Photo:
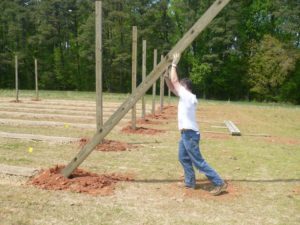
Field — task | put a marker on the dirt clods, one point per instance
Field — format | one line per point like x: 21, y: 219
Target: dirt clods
x: 80, y: 181
x: 141, y: 130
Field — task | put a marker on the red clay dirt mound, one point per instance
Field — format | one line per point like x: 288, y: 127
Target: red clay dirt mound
x: 80, y: 181
x: 141, y: 130
x: 168, y: 111
x: 108, y: 145
x: 147, y: 121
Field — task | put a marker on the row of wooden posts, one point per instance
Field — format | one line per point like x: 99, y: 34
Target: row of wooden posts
x: 98, y: 56
x: 134, y: 74
x: 99, y: 103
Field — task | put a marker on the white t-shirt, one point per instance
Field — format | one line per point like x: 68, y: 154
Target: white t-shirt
x: 187, y: 108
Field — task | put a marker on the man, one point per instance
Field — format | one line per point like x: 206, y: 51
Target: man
x: 189, y: 151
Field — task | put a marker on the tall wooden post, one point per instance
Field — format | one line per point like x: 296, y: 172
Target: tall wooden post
x: 162, y: 88
x: 181, y: 45
x: 154, y: 84
x: 98, y: 55
x: 134, y: 64
x: 16, y: 78
x: 36, y: 80
x: 144, y: 76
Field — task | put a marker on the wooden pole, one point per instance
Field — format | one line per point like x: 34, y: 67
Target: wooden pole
x: 154, y: 84
x: 98, y: 55
x: 134, y: 64
x: 162, y: 88
x: 16, y: 78
x: 181, y: 45
x: 36, y: 80
x: 144, y: 76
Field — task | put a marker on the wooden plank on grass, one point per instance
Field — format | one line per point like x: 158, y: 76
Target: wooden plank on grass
x: 16, y: 122
x: 182, y: 44
x: 35, y: 137
x: 18, y: 171
x: 232, y: 128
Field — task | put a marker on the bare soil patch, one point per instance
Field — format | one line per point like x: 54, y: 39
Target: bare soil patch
x: 281, y: 140
x: 141, y: 130
x: 148, y: 122
x: 215, y: 136
x: 296, y: 190
x: 80, y: 181
x: 168, y: 111
x: 109, y: 145
x: 15, y: 101
x: 202, y: 191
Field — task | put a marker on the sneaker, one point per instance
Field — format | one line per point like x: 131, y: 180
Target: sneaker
x: 217, y: 190
x: 183, y: 185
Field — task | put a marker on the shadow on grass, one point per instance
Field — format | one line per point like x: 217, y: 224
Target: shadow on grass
x: 232, y: 180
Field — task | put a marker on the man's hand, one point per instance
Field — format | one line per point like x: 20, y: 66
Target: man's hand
x: 176, y: 58
x: 166, y: 73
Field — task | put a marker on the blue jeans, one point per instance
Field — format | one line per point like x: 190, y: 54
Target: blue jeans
x: 190, y: 155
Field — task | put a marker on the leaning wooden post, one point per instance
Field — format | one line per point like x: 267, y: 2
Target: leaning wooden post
x: 17, y: 78
x: 154, y: 85
x: 134, y: 64
x: 162, y: 88
x: 98, y: 55
x: 36, y: 80
x: 181, y: 45
x: 144, y: 76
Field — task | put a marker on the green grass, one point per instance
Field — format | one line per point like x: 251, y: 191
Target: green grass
x: 263, y: 171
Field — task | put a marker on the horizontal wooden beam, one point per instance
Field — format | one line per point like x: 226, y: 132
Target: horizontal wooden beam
x: 182, y: 44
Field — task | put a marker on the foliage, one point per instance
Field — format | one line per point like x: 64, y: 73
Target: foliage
x: 223, y: 61
x: 269, y: 67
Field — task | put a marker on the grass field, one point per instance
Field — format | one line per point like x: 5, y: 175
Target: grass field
x: 262, y: 168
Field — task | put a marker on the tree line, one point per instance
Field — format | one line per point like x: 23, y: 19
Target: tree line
x: 250, y: 51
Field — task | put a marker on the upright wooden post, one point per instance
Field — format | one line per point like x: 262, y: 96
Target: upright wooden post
x: 181, y: 45
x: 169, y: 96
x: 134, y: 64
x: 154, y: 84
x: 144, y: 76
x: 162, y: 88
x: 36, y: 80
x: 98, y: 55
x: 16, y: 78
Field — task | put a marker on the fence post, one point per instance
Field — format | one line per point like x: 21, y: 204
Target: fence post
x: 36, y: 80
x: 162, y: 88
x: 134, y: 64
x: 98, y: 55
x: 16, y: 78
x: 154, y: 84
x: 144, y: 76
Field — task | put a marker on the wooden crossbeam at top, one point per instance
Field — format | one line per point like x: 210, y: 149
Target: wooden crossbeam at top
x: 181, y: 45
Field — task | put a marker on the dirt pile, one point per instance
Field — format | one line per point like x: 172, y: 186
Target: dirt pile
x: 108, y: 145
x: 80, y: 181
x: 141, y: 130
x: 167, y: 113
